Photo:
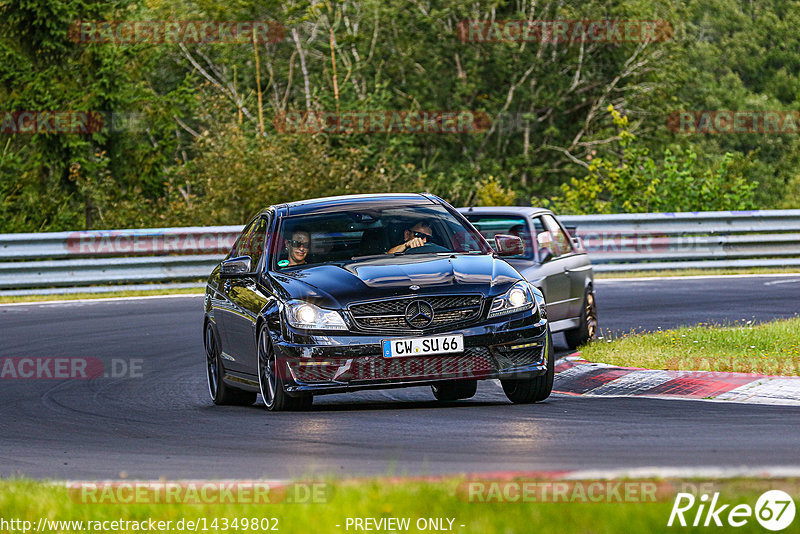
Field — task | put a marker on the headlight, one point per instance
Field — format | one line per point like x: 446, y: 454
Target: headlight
x: 518, y: 298
x: 305, y: 315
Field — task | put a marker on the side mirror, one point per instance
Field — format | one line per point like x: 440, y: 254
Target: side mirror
x: 545, y: 255
x: 238, y: 267
x: 508, y: 245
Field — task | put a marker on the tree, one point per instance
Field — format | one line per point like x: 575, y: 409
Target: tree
x: 637, y: 183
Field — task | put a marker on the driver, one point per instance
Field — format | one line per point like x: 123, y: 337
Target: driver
x: 297, y: 247
x: 413, y: 237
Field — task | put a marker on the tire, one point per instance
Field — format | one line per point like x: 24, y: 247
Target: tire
x: 528, y: 390
x: 587, y: 331
x: 221, y: 393
x: 454, y: 390
x: 270, y: 379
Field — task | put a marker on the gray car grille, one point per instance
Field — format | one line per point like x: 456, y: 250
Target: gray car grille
x: 388, y: 315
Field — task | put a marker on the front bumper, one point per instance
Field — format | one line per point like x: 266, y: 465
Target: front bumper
x: 340, y: 363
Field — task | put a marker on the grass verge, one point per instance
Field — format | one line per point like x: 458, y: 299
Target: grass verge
x: 769, y: 348
x: 107, y: 295
x: 26, y: 500
x: 700, y: 272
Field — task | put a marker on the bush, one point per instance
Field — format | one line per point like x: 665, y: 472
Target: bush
x: 638, y: 183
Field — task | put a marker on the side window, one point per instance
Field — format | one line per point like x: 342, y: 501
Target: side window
x: 560, y: 239
x: 538, y: 225
x: 542, y: 237
x: 255, y: 242
x: 243, y: 241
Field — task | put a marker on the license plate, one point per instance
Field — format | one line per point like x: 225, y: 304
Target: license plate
x: 422, y: 346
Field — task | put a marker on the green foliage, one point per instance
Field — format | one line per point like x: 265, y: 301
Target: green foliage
x: 637, y: 183
x: 491, y: 193
x: 79, y: 180
x: 200, y: 155
x: 237, y: 172
x: 791, y: 197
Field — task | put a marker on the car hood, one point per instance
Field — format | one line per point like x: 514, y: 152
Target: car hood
x: 337, y: 285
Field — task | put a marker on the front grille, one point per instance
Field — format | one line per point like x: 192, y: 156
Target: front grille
x: 390, y: 314
x: 468, y: 365
x: 475, y: 362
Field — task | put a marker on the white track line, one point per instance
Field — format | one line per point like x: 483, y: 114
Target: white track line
x: 693, y: 277
x: 699, y: 472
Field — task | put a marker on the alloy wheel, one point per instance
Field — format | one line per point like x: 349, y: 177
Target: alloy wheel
x: 212, y: 362
x: 591, y: 316
x: 267, y: 365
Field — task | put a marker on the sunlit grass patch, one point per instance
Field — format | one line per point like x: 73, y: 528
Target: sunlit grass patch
x: 380, y: 498
x: 743, y: 347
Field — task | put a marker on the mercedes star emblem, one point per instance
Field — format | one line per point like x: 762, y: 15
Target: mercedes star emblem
x: 419, y: 314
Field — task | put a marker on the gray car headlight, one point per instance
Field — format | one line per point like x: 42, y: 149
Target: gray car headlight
x: 301, y: 314
x: 518, y: 298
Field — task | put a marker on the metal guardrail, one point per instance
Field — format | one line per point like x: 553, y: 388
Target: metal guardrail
x: 100, y: 243
x: 622, y: 242
x: 66, y: 259
x: 701, y: 240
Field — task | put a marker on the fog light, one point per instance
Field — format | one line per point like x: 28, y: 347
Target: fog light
x: 524, y: 346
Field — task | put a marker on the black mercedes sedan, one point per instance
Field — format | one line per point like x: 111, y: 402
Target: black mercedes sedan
x: 359, y: 292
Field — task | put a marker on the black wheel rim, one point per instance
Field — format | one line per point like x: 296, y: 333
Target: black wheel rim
x: 267, y: 379
x: 212, y: 363
x: 591, y: 316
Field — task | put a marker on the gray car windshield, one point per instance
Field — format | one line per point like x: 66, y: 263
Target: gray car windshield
x: 349, y: 235
x: 491, y: 225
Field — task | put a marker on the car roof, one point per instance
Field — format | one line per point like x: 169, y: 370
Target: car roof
x: 525, y: 211
x: 329, y: 204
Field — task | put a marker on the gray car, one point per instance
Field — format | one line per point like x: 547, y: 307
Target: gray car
x: 552, y: 260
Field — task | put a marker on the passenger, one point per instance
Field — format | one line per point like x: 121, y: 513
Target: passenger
x: 297, y: 247
x: 416, y: 236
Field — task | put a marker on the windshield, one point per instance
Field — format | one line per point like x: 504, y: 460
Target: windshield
x: 491, y: 225
x: 348, y: 235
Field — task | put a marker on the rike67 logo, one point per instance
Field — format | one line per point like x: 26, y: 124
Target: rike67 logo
x: 774, y: 510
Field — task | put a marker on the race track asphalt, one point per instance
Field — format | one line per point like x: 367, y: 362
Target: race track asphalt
x: 162, y: 423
